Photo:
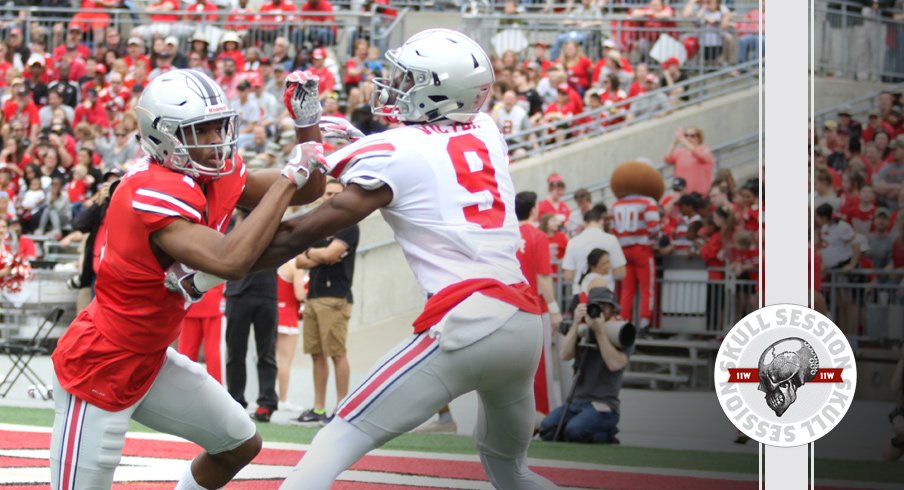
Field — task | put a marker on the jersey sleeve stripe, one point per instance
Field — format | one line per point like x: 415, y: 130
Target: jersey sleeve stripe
x: 380, y: 147
x: 174, y: 201
x: 150, y: 208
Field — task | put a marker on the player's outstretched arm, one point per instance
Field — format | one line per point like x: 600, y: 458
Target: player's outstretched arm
x: 231, y: 256
x: 345, y: 209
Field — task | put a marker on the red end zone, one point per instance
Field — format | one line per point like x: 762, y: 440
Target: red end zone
x: 23, y: 465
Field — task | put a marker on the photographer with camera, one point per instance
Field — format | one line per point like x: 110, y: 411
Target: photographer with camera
x: 600, y: 343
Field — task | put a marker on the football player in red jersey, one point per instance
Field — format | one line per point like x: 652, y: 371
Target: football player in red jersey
x: 113, y: 363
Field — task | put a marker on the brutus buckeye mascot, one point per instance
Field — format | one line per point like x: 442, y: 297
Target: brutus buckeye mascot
x: 638, y: 187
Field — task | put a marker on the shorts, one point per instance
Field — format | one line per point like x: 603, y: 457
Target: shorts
x: 326, y: 326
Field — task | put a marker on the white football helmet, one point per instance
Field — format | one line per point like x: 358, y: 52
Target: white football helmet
x: 169, y: 109
x: 437, y: 73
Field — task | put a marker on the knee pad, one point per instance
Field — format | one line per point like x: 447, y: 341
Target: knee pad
x: 109, y: 449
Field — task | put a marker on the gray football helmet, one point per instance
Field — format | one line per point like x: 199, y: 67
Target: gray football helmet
x: 169, y: 109
x: 437, y: 73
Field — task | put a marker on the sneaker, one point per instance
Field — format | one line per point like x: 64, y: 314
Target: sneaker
x: 438, y: 427
x: 262, y: 414
x: 311, y: 417
x: 290, y: 407
x: 326, y: 420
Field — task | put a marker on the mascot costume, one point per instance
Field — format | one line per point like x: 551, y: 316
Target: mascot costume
x: 636, y: 222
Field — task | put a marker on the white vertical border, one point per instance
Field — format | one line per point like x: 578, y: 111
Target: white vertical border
x: 786, y: 254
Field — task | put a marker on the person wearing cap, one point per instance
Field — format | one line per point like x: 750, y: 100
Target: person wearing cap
x: 73, y: 42
x: 136, y: 54
x: 593, y: 412
x: 21, y: 107
x: 553, y: 204
x: 171, y: 47
x: 672, y: 77
x: 562, y: 108
x: 539, y: 57
x: 250, y: 113
x: 36, y: 78
x: 319, y: 68
x: 65, y: 85
x: 881, y: 240
x: 889, y: 180
x: 269, y: 104
x: 873, y: 126
x: 650, y: 101
x: 611, y: 53
x: 200, y: 12
x: 231, y: 47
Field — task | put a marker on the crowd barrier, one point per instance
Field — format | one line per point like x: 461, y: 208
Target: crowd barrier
x: 858, y: 42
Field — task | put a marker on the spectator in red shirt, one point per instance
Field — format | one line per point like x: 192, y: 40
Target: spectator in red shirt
x: 271, y: 16
x: 230, y: 47
x: 135, y: 50
x: 22, y: 108
x: 692, y: 160
x: 553, y: 204
x: 327, y: 80
x: 355, y: 66
x: 320, y: 30
x: 748, y: 30
x: 160, y: 9
x: 652, y: 20
x: 91, y: 112
x: 749, y: 207
x: 228, y: 78
x: 201, y: 11
x: 241, y: 18
x: 540, y: 58
x: 537, y: 269
x: 73, y: 40
x: 563, y: 108
x: 576, y: 65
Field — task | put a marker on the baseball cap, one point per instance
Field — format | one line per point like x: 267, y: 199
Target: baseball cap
x: 75, y: 27
x: 844, y: 110
x: 830, y: 124
x: 883, y: 210
x: 562, y: 87
x: 113, y: 172
x: 36, y: 58
x: 671, y: 61
x: 603, y: 295
x: 171, y: 41
x: 318, y: 54
x: 609, y: 43
x: 553, y: 178
x: 136, y: 40
x: 679, y: 184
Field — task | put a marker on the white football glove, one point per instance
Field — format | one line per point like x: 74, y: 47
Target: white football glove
x: 338, y: 131
x: 180, y: 279
x: 302, y: 99
x: 305, y: 158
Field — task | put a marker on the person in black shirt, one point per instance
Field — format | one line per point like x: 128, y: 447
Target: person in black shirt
x: 252, y: 300
x: 328, y: 308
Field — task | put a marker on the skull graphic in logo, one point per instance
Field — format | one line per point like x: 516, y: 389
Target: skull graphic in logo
x: 784, y: 367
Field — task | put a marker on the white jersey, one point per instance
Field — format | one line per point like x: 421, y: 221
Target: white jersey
x: 453, y: 198
x: 513, y: 121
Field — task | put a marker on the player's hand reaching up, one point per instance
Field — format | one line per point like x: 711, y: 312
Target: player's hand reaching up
x: 305, y: 158
x: 302, y: 99
x: 338, y: 131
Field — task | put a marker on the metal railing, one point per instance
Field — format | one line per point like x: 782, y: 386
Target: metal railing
x: 869, y: 302
x: 715, y: 47
x: 542, y: 138
x: 313, y: 28
x: 853, y: 41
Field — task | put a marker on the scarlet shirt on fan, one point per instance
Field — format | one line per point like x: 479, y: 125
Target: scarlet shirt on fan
x: 113, y: 350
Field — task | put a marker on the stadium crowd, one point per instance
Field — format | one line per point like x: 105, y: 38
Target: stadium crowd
x: 859, y: 195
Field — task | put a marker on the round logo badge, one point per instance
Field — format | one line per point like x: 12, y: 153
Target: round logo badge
x: 785, y: 375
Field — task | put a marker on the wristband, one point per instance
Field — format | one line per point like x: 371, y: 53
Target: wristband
x: 553, y: 307
x: 204, y: 282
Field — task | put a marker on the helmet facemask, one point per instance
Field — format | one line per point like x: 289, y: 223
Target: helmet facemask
x: 223, y: 151
x: 392, y: 96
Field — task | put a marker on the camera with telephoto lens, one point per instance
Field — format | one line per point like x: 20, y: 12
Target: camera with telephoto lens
x: 621, y: 333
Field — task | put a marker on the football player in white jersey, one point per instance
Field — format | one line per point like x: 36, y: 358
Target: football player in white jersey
x: 443, y: 185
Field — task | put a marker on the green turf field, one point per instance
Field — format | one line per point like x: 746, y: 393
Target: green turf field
x: 588, y: 453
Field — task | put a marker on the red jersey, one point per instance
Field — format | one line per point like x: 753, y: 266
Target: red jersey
x: 271, y: 21
x: 114, y: 348
x: 561, y: 209
x: 209, y: 306
x: 327, y: 80
x: 240, y: 19
x: 199, y: 10
x: 635, y: 220
x: 322, y: 6
x: 534, y: 254
x: 28, y: 114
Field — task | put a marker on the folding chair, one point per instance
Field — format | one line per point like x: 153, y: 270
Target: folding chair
x: 21, y: 352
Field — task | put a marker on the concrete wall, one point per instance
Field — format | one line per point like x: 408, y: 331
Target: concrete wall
x: 384, y: 287
x: 831, y: 92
